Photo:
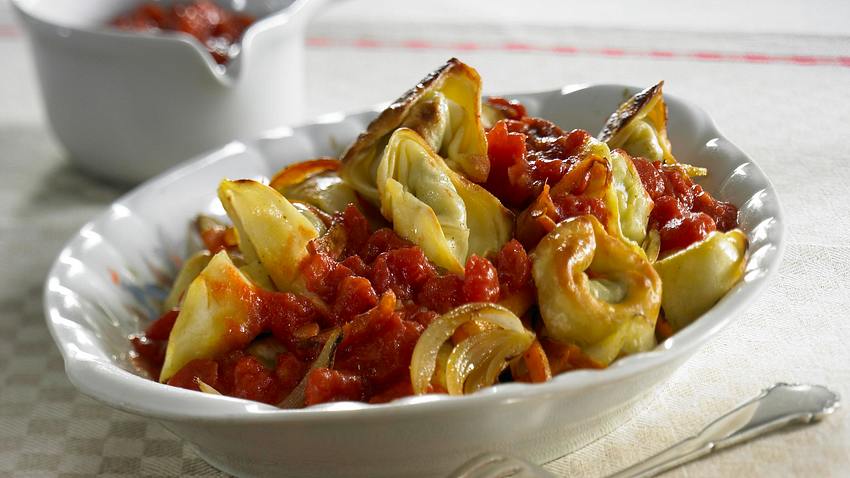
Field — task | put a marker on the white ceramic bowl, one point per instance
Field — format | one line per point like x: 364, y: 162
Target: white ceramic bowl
x: 129, y: 105
x: 107, y: 281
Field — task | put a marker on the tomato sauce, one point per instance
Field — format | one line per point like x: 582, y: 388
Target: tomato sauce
x: 380, y: 292
x: 684, y: 212
x: 378, y: 288
x: 527, y: 153
x: 149, y: 347
x: 219, y: 30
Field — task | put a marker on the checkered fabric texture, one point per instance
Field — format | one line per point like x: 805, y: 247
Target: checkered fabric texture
x: 48, y: 429
x: 791, y: 116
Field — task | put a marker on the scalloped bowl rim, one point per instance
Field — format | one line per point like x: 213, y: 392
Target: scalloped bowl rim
x: 121, y: 389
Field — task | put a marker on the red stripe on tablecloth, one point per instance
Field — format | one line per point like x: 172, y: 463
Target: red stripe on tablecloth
x: 522, y: 47
x: 11, y: 31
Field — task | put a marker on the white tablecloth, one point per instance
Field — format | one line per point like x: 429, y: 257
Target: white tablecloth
x: 777, y: 82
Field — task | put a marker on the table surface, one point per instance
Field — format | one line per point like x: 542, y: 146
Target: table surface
x: 776, y: 80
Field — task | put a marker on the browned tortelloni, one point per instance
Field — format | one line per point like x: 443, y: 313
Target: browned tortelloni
x: 316, y: 188
x: 315, y: 182
x: 445, y: 110
x: 596, y: 290
x: 639, y: 126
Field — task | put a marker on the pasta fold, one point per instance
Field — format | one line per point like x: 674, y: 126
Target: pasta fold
x: 436, y: 208
x: 445, y: 110
x: 696, y: 277
x: 271, y: 230
x: 596, y: 290
x: 190, y: 269
x: 639, y: 126
x: 633, y: 202
x: 215, y: 316
x: 315, y: 182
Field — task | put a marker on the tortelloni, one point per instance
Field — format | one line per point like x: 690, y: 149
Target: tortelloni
x: 639, y: 126
x: 191, y: 268
x: 436, y: 208
x: 272, y: 232
x: 315, y: 182
x: 697, y: 277
x: 633, y: 202
x: 445, y: 109
x: 595, y: 290
x: 215, y: 316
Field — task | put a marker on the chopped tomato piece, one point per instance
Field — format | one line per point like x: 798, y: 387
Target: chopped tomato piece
x: 514, y: 267
x: 381, y: 241
x: 403, y: 271
x: 509, y: 171
x: 289, y: 372
x: 684, y: 212
x: 378, y: 345
x: 481, y: 281
x: 160, y: 329
x: 253, y: 381
x: 442, y: 293
x: 205, y: 370
x: 326, y: 385
x: 287, y: 313
x: 355, y: 296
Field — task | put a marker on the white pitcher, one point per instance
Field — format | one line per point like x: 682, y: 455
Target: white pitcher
x: 128, y: 105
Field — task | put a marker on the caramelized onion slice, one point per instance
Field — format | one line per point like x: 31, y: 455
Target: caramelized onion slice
x: 424, y: 360
x: 652, y: 245
x: 477, y: 361
x: 202, y: 386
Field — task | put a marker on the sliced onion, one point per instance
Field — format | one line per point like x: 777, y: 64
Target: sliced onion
x: 202, y: 386
x: 471, y: 355
x: 439, y: 378
x: 477, y: 361
x: 652, y: 245
x: 296, y: 398
x: 509, y: 349
x: 423, y: 362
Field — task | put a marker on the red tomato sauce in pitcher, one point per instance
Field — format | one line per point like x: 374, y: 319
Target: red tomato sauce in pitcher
x: 218, y: 29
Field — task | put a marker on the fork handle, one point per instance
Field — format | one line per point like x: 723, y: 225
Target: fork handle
x: 777, y: 406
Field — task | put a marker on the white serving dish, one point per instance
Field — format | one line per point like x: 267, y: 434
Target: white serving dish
x: 106, y: 283
x: 129, y: 105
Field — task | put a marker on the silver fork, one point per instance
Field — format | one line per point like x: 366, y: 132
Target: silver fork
x: 774, y: 408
